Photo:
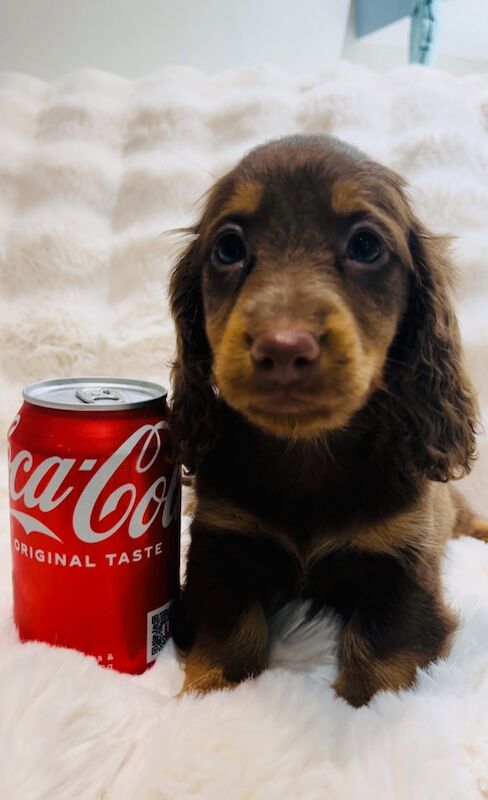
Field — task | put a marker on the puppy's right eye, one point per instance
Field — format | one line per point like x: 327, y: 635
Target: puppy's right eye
x: 229, y: 251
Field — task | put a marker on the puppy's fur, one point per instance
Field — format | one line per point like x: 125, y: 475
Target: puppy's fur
x: 333, y: 487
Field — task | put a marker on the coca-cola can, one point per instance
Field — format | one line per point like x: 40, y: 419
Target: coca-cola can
x: 95, y: 519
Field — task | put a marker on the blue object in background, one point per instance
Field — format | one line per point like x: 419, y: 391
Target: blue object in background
x: 424, y: 31
x: 374, y: 14
x: 424, y: 27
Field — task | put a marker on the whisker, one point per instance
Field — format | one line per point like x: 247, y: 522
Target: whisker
x: 190, y: 161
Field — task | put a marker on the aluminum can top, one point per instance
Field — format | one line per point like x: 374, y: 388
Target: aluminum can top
x: 93, y: 394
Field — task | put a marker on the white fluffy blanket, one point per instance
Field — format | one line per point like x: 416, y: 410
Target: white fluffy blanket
x: 94, y: 168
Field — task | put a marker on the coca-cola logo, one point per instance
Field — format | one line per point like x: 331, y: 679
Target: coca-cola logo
x: 46, y: 486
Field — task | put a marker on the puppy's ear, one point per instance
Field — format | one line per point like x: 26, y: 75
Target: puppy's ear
x: 193, y: 401
x: 434, y: 397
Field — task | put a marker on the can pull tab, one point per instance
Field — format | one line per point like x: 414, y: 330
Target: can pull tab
x: 99, y: 394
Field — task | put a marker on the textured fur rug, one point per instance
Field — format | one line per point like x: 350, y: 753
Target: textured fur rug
x: 94, y: 169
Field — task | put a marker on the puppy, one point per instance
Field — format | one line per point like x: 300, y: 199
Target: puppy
x: 320, y: 400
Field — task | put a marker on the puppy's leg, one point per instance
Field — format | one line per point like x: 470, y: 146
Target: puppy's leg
x: 227, y: 630
x: 363, y: 672
x: 215, y: 663
x: 400, y: 623
x: 467, y: 523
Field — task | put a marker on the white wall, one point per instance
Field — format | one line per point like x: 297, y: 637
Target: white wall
x: 48, y: 38
x: 135, y: 37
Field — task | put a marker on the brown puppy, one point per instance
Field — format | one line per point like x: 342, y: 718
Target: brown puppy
x: 321, y: 401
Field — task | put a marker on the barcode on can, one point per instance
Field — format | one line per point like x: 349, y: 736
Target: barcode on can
x: 157, y: 630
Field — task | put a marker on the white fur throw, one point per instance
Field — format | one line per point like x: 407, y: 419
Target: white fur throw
x: 94, y: 168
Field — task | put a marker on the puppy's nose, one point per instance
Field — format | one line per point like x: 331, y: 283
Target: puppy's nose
x: 285, y: 356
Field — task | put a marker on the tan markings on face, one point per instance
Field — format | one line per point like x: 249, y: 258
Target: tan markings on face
x: 346, y: 372
x: 215, y: 322
x: 345, y: 199
x: 245, y: 200
x: 233, y: 366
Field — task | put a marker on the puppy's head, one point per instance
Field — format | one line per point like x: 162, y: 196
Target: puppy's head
x: 308, y: 289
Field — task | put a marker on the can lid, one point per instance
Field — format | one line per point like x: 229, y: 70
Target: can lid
x: 93, y: 394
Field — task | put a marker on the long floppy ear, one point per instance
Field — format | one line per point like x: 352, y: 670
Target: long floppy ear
x: 434, y: 397
x: 193, y: 401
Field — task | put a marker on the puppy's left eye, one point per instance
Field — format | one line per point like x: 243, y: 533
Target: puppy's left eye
x: 364, y: 247
x: 229, y: 250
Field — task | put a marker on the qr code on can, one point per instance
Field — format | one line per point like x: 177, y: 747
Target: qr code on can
x: 157, y: 630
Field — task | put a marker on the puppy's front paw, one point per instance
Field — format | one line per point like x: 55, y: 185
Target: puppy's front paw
x: 203, y: 674
x: 355, y: 692
x: 358, y: 682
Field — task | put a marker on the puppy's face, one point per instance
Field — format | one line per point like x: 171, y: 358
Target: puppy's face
x: 305, y: 265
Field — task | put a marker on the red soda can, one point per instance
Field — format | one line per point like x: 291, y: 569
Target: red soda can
x: 95, y: 519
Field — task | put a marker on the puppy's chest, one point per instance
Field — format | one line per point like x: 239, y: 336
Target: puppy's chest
x: 305, y: 506
x: 303, y: 529
x: 311, y: 514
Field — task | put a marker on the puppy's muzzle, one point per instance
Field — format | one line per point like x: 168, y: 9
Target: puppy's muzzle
x: 284, y: 356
